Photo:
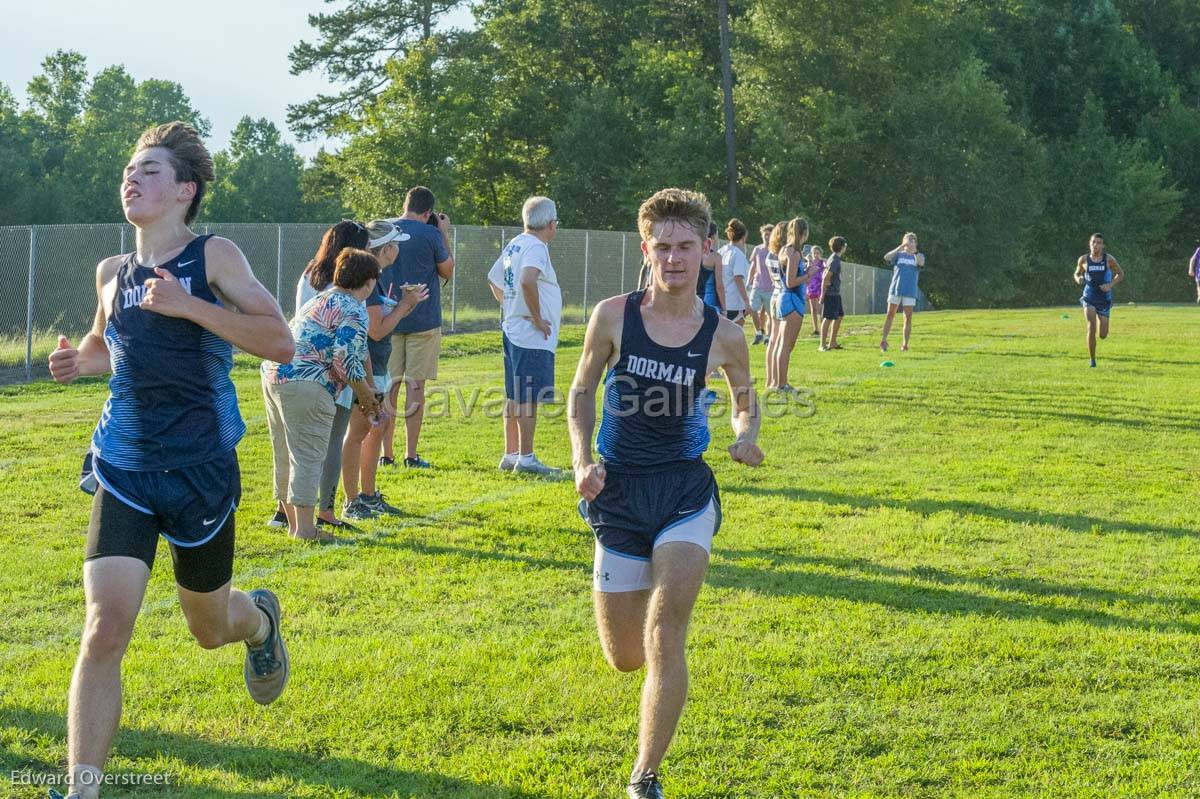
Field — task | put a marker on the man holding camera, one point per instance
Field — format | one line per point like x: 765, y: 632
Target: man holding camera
x: 424, y: 257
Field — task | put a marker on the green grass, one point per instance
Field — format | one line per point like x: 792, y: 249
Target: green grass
x: 971, y: 575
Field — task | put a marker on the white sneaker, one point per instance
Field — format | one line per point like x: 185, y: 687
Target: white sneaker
x: 509, y: 462
x: 529, y: 464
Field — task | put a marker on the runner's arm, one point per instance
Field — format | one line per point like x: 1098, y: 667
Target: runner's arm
x: 256, y: 326
x: 740, y: 282
x: 1192, y: 263
x: 91, y: 358
x: 735, y: 360
x: 581, y: 404
x: 1118, y: 272
x: 1080, y: 271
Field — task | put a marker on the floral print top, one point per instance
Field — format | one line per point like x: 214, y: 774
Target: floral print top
x: 331, y: 343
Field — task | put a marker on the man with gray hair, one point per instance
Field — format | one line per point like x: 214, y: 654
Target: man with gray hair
x: 524, y: 283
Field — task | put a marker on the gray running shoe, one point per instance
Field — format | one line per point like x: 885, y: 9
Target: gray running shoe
x: 267, y: 666
x: 359, y: 510
x: 534, y: 466
x: 377, y: 503
x: 508, y: 463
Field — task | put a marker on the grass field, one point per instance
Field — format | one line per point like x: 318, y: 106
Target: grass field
x: 970, y: 575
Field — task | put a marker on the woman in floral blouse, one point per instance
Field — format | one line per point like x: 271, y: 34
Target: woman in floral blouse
x: 331, y: 346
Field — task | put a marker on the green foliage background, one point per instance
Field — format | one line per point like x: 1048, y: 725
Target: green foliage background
x: 1004, y: 133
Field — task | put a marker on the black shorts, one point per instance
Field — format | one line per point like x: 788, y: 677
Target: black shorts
x: 635, y: 508
x: 832, y: 309
x: 192, y: 508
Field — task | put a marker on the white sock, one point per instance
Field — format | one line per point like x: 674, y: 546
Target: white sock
x: 511, y: 456
x: 264, y: 629
x: 527, y: 459
x: 85, y: 781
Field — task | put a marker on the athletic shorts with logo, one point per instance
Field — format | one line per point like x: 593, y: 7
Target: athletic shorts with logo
x: 640, y: 510
x: 191, y: 507
x: 1101, y: 303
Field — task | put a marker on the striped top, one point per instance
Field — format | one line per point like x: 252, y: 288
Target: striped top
x: 171, y: 402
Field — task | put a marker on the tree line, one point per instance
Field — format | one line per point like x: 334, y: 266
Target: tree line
x: 1004, y: 132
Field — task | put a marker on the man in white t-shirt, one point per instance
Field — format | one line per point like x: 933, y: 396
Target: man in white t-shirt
x: 524, y: 283
x: 734, y: 271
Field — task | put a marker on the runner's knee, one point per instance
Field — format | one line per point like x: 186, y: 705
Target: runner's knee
x: 107, y: 635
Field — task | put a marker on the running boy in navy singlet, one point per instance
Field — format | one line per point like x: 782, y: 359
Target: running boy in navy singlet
x: 1097, y: 272
x: 652, y: 501
x: 163, y: 457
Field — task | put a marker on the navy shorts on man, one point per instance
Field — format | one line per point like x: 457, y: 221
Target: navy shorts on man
x: 528, y: 373
x: 191, y: 507
x: 832, y: 309
x: 640, y: 510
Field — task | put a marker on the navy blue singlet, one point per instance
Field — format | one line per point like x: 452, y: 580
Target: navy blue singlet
x: 172, y: 403
x: 655, y: 402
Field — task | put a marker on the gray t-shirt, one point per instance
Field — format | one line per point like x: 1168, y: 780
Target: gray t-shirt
x: 834, y: 267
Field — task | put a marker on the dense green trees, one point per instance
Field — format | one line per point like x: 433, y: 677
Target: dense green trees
x: 61, y: 157
x: 1004, y: 133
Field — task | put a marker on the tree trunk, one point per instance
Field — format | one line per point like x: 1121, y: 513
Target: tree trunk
x: 727, y: 85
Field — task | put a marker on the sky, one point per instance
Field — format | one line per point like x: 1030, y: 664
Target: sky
x: 230, y: 56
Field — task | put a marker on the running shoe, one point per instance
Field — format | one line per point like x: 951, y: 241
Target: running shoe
x: 377, y: 503
x: 883, y: 345
x: 758, y: 338
x: 1093, y: 363
x: 417, y: 463
x: 904, y: 348
x: 386, y: 461
x: 267, y: 665
x: 509, y: 462
x: 531, y: 465
x: 645, y: 787
x: 358, y: 510
x: 822, y: 348
x: 278, y: 520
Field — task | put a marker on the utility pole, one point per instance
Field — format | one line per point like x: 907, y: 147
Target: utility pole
x: 727, y: 85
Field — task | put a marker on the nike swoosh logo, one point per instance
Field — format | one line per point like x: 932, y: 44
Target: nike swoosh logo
x: 185, y: 263
x: 207, y: 522
x: 694, y: 354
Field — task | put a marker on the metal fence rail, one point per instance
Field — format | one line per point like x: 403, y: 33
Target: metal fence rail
x: 48, y: 273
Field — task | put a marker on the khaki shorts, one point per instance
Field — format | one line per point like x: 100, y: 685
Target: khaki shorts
x: 299, y: 417
x: 415, y: 355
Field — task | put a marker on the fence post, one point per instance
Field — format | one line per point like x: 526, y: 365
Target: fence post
x: 279, y: 265
x: 454, y: 281
x: 587, y: 240
x: 854, y: 292
x: 122, y: 249
x: 29, y: 305
x: 624, y: 247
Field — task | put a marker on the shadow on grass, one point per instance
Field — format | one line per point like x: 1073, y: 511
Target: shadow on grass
x: 343, y: 777
x: 926, y: 507
x: 900, y: 589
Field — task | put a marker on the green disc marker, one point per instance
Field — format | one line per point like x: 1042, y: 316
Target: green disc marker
x: 1066, y: 316
x: 887, y: 364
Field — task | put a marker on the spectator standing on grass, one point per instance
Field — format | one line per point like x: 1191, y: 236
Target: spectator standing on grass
x: 1194, y: 271
x: 734, y: 271
x: 424, y: 258
x: 831, y: 296
x: 816, y: 275
x: 331, y: 353
x: 524, y: 282
x: 386, y: 306
x: 906, y: 263
x: 760, y: 287
x: 710, y: 289
x: 317, y: 277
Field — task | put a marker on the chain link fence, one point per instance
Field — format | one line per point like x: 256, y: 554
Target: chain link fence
x: 48, y: 272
